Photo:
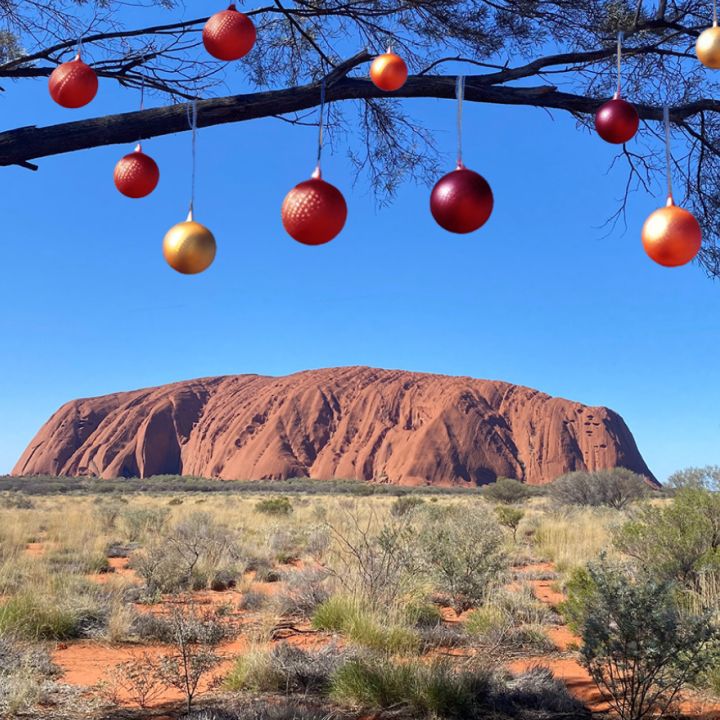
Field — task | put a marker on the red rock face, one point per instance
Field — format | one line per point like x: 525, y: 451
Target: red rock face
x: 351, y: 423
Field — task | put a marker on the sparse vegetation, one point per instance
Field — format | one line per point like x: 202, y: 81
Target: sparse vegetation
x: 615, y: 488
x: 343, y: 605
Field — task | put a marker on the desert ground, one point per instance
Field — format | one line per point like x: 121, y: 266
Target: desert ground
x: 319, y: 600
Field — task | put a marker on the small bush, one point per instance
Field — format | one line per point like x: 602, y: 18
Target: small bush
x: 405, y: 504
x: 35, y: 617
x: 462, y: 551
x: 305, y: 590
x: 509, y: 491
x: 426, y: 690
x: 615, y: 488
x: 638, y: 647
x: 344, y: 616
x: 285, y: 669
x: 274, y: 506
x: 486, y: 621
x: 423, y: 614
x: 510, y: 518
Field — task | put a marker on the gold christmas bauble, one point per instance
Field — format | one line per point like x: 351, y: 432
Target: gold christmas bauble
x: 707, y: 47
x: 189, y: 247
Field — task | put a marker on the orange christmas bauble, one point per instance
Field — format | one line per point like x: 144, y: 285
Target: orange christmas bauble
x: 73, y: 84
x: 136, y: 174
x: 314, y: 212
x: 229, y: 35
x: 671, y: 236
x: 461, y: 201
x: 389, y: 72
x: 707, y: 47
x: 189, y: 247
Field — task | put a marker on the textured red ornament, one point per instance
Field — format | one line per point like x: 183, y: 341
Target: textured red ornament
x: 461, y: 201
x: 73, y: 84
x: 137, y: 174
x: 671, y: 236
x: 389, y: 72
x: 229, y: 35
x: 617, y: 121
x: 314, y: 212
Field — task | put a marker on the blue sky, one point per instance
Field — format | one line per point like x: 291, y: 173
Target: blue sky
x: 541, y: 296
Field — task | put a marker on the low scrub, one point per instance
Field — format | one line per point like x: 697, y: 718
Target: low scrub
x: 347, y: 617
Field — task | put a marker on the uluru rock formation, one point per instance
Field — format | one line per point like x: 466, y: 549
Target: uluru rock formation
x: 352, y: 423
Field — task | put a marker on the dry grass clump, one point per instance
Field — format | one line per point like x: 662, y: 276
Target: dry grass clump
x: 572, y: 539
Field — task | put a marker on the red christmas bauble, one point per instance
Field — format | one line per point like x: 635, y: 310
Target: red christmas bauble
x: 389, y: 72
x: 137, y: 174
x: 461, y: 201
x: 617, y: 121
x: 314, y: 212
x: 671, y: 236
x: 73, y: 84
x: 229, y: 35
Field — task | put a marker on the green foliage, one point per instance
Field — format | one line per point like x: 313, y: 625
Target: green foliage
x: 486, y: 620
x: 72, y: 613
x: 509, y: 490
x: 678, y: 540
x: 405, y: 504
x: 509, y: 517
x: 462, y: 551
x: 637, y: 645
x: 580, y: 589
x: 435, y: 690
x: 275, y: 506
x: 423, y: 614
x: 616, y: 488
x: 703, y: 478
x: 341, y: 615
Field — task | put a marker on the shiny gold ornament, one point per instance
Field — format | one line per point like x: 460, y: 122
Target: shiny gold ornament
x: 189, y: 247
x: 671, y: 236
x: 707, y: 47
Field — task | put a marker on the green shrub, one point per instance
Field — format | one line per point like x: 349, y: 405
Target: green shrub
x: 509, y: 517
x: 509, y: 490
x: 703, y: 478
x: 640, y: 650
x: 32, y: 616
x: 341, y: 615
x: 423, y: 614
x: 274, y: 506
x: 615, y: 488
x: 484, y: 621
x: 462, y: 550
x: 336, y: 614
x: 435, y: 690
x: 678, y: 540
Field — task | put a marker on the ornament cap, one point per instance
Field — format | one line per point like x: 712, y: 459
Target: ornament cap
x: 460, y: 165
x: 190, y: 215
x: 670, y: 201
x: 231, y: 6
x: 138, y: 148
x: 617, y: 95
x: 317, y: 173
x: 78, y: 57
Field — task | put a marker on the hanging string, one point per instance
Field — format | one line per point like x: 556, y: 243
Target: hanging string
x: 620, y: 38
x: 715, y: 13
x: 79, y: 47
x: 320, y: 128
x: 668, y: 155
x: 460, y: 94
x: 192, y: 121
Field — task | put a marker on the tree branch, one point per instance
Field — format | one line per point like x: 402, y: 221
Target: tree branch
x: 28, y: 143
